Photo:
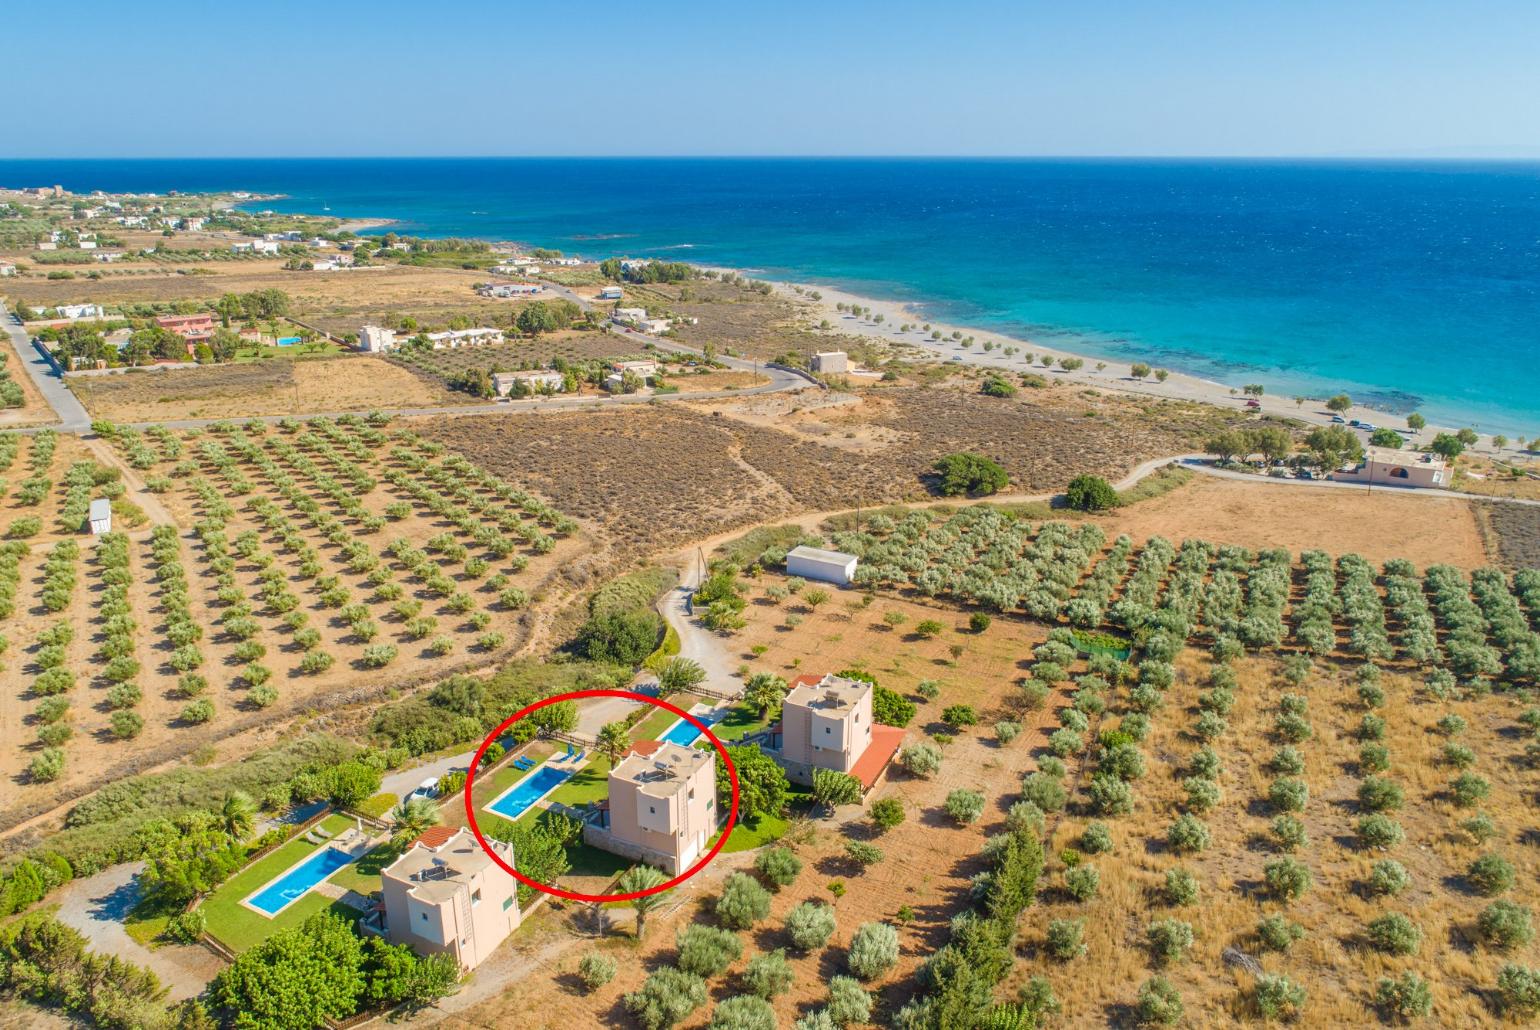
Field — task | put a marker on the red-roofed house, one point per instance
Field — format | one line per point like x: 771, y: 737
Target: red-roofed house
x: 192, y: 328
x: 826, y: 723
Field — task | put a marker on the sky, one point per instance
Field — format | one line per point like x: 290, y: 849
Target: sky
x: 1376, y: 78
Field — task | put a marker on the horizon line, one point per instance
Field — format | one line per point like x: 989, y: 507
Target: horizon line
x: 1447, y: 158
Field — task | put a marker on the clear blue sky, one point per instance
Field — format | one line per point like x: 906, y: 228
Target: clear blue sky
x: 1070, y: 77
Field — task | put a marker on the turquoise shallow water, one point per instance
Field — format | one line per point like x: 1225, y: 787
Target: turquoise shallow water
x: 1409, y: 285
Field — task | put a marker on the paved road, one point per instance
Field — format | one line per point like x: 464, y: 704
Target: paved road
x: 72, y: 414
x: 1204, y: 464
x: 696, y: 642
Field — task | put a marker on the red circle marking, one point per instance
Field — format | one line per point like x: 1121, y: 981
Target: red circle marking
x: 502, y: 727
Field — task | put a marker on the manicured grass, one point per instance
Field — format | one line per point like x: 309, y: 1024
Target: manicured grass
x: 769, y: 828
x: 240, y: 928
x: 489, y: 786
x: 587, y: 860
x: 363, y: 876
x: 741, y: 721
x: 589, y: 784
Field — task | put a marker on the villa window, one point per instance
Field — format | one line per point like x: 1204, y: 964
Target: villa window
x: 1399, y: 474
x: 507, y: 903
x: 424, y: 916
x: 827, y: 730
x: 476, y: 896
x: 651, y: 810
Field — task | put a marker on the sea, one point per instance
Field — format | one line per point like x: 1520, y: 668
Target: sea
x: 1409, y: 285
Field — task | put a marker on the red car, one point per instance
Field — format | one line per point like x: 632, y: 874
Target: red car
x: 1253, y: 403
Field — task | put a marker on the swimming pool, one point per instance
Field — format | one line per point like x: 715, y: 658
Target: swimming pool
x: 684, y: 732
x: 299, y: 880
x: 518, y: 799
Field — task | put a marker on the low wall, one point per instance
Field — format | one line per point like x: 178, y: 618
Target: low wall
x: 607, y: 841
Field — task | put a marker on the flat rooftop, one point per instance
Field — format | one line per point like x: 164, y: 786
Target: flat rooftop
x: 663, y: 772
x: 1411, y: 459
x: 831, y: 695
x: 435, y: 868
x: 819, y: 554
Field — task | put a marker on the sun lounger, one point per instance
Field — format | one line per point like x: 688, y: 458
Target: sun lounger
x: 319, y: 832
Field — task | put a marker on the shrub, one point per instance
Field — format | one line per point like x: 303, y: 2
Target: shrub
x: 920, y: 759
x: 1090, y: 493
x: 1504, y: 925
x: 1188, y: 835
x: 965, y: 806
x: 1394, y: 934
x: 778, y: 866
x: 1518, y: 991
x: 886, y: 813
x: 1279, y: 934
x: 1063, y: 940
x: 707, y: 950
x: 1480, y: 827
x: 1379, y: 832
x: 127, y: 724
x: 1373, y: 758
x: 1468, y: 790
x: 862, y: 853
x: 873, y: 950
x: 849, y: 1004
x: 1388, y: 877
x: 768, y: 974
x: 810, y: 925
x: 1007, y: 730
x: 743, y: 902
x: 959, y: 715
x: 1044, y: 791
x: 1159, y: 1004
x: 1292, y: 728
x: 596, y: 970
x: 1065, y: 742
x: 1110, y: 795
x: 1278, y: 996
x: 668, y: 996
x: 1082, y: 882
x: 199, y: 711
x: 744, y: 1012
x: 979, y: 621
x: 1181, y: 887
x: 1371, y: 727
x: 1096, y: 839
x: 1490, y: 875
x: 1377, y: 794
x: 1169, y: 940
x: 1287, y: 879
x: 1289, y: 833
x: 1202, y: 794
x: 1451, y: 725
x: 1024, y: 815
x: 1287, y: 761
x: 1405, y: 997
x: 46, y: 766
x: 1210, y: 726
x: 1288, y: 794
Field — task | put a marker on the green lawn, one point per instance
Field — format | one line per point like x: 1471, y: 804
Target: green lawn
x: 653, y: 727
x: 589, y: 784
x: 489, y: 786
x: 363, y: 876
x: 240, y: 928
x: 769, y: 828
x: 741, y: 721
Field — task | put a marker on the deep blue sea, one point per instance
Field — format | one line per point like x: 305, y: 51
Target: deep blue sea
x: 1406, y: 284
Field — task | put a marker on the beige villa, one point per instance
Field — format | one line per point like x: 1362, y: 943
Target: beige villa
x: 446, y: 894
x: 826, y: 723
x: 661, y: 808
x: 1386, y: 466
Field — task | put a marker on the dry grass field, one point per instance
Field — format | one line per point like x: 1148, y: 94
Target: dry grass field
x: 323, y: 563
x: 275, y: 386
x: 1513, y: 531
x: 1379, y: 525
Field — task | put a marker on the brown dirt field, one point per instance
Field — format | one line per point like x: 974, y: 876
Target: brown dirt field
x: 659, y: 476
x: 1333, y: 962
x: 34, y: 410
x: 276, y: 386
x: 1378, y: 526
x: 928, y: 858
x: 1512, y: 531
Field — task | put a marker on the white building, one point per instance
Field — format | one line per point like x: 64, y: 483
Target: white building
x: 502, y: 382
x: 376, y: 340
x: 831, y: 361
x: 255, y: 247
x: 80, y: 311
x: 567, y: 262
x: 610, y: 293
x: 824, y: 566
x: 456, y: 338
x: 192, y: 224
x: 86, y: 244
x: 100, y: 516
x: 630, y: 316
x: 6, y: 268
x: 645, y: 369
x: 509, y: 289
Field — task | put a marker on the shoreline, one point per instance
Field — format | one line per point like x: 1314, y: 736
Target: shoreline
x: 1115, y: 377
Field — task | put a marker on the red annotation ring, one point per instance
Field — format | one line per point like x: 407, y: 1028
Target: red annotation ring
x: 470, y: 808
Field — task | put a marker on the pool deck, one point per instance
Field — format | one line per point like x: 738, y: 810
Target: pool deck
x: 354, y: 844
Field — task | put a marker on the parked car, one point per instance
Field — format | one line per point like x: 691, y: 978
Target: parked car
x: 1367, y: 427
x: 1338, y: 420
x: 1253, y: 403
x: 1304, y: 474
x: 426, y: 789
x: 1354, y: 423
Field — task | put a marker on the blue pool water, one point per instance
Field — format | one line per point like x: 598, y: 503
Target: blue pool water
x: 517, y: 800
x: 683, y: 733
x: 294, y: 884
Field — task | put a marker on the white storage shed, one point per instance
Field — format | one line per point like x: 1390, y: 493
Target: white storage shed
x: 824, y: 566
x: 100, y: 516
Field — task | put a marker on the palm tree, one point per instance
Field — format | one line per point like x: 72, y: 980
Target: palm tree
x: 413, y: 816
x: 764, y: 690
x: 613, y: 741
x: 238, y: 814
x: 641, y: 878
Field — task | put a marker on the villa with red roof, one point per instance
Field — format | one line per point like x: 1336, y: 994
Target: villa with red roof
x: 826, y: 723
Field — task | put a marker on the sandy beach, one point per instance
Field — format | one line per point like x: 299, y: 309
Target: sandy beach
x: 1028, y: 357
